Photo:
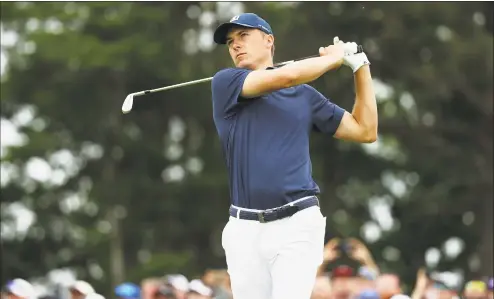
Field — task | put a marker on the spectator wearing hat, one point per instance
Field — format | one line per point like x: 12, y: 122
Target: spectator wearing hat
x: 198, y: 290
x: 475, y: 289
x: 80, y: 289
x: 128, y: 290
x: 165, y: 291
x: 179, y: 283
x: 20, y: 289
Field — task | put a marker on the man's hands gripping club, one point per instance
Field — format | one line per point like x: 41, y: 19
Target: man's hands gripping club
x: 352, y: 59
x: 348, y: 52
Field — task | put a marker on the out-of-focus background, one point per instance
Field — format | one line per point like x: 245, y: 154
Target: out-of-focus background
x: 91, y: 194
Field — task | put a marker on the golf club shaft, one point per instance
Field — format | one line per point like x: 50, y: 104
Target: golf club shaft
x: 280, y: 64
x: 140, y: 93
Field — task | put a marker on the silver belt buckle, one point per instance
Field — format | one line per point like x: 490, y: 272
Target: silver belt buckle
x: 260, y: 217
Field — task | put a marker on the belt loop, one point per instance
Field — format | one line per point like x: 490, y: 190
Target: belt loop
x: 238, y: 213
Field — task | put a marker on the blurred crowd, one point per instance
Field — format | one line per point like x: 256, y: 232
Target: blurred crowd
x: 364, y: 281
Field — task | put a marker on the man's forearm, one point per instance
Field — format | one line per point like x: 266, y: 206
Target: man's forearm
x: 365, y: 108
x: 308, y: 70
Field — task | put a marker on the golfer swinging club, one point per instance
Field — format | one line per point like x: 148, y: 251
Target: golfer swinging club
x: 275, y: 236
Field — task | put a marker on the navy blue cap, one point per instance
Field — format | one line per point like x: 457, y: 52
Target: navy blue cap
x: 249, y: 20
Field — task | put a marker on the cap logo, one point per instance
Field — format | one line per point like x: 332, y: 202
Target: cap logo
x: 235, y: 18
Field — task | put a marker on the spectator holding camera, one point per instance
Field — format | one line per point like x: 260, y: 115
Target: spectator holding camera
x: 360, y: 253
x: 352, y: 247
x: 346, y: 282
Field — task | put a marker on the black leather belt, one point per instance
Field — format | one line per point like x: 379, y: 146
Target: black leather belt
x: 276, y: 213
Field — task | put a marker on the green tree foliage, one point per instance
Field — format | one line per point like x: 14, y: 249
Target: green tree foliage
x: 148, y: 193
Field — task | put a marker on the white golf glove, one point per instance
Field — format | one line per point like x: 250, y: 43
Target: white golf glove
x: 352, y: 59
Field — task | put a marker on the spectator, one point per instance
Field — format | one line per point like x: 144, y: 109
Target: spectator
x: 128, y: 290
x: 20, y: 289
x: 219, y: 281
x: 150, y: 287
x: 80, y: 289
x: 165, y: 291
x: 342, y: 282
x: 179, y: 284
x: 198, y: 290
x: 475, y: 289
x: 359, y: 252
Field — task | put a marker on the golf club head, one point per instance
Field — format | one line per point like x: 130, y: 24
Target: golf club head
x: 127, y: 104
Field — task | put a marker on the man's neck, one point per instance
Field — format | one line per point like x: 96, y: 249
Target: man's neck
x: 264, y: 65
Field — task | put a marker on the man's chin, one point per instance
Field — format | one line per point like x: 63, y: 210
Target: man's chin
x: 244, y: 65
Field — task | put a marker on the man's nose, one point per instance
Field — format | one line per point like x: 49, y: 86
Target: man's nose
x: 236, y: 46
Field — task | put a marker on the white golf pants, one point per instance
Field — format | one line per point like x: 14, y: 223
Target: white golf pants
x: 275, y: 260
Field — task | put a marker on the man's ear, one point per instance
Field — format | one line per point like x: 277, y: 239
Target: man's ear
x: 271, y: 39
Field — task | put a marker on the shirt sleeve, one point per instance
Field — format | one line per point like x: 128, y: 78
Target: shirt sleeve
x: 326, y: 116
x: 226, y: 88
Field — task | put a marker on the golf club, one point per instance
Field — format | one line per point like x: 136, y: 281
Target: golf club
x: 129, y: 100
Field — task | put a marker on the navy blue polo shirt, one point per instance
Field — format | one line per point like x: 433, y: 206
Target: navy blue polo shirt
x: 265, y: 140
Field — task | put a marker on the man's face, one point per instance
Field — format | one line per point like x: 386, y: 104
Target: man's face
x: 248, y: 47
